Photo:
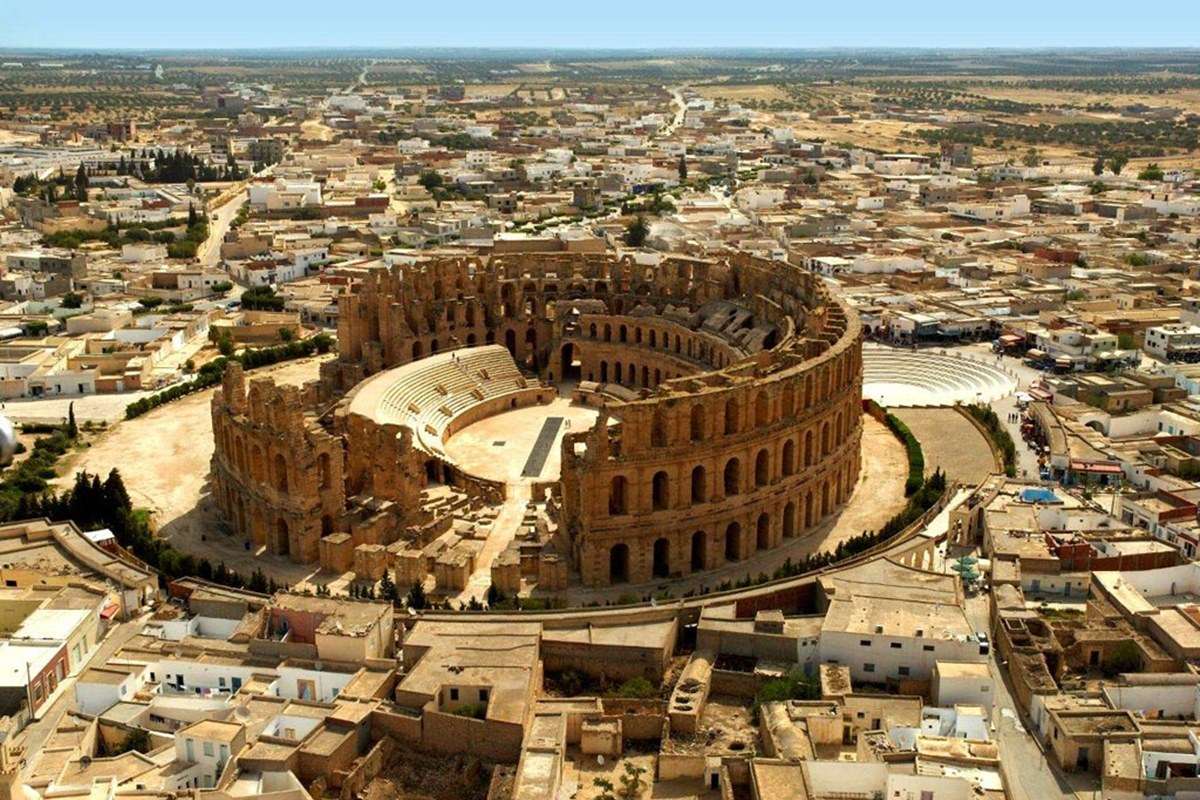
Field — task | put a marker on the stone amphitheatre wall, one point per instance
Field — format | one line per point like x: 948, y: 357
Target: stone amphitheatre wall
x: 740, y: 425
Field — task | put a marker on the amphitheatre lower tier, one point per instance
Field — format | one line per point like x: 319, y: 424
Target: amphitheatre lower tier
x: 714, y: 412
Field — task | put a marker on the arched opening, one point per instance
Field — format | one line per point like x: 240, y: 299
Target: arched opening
x: 808, y: 510
x: 808, y: 448
x: 432, y: 473
x: 653, y: 338
x: 604, y: 372
x: 607, y: 332
x: 762, y: 533
x: 699, y: 554
x: 697, y: 423
x: 281, y: 473
x: 510, y: 341
x: 282, y: 546
x: 571, y: 367
x: 658, y: 429
x: 825, y: 505
x: 762, y: 468
x: 617, y: 496
x: 789, y: 520
x: 762, y: 410
x: 662, y: 558
x: 433, y: 346
x: 618, y: 564
x: 660, y: 491
x: 699, y: 485
x: 617, y: 372
x: 417, y: 351
x: 731, y: 416
x: 789, y: 400
x: 825, y: 441
x: 789, y: 458
x: 645, y: 376
x: 733, y: 477
x: 733, y: 542
x: 623, y: 334
x: 326, y: 525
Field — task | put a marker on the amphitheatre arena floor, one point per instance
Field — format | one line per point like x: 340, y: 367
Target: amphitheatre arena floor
x: 164, y: 458
x: 499, y: 447
x: 949, y: 440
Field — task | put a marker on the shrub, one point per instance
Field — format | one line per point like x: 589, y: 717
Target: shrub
x: 638, y: 688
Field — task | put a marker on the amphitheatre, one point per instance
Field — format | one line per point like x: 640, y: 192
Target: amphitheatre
x: 552, y: 420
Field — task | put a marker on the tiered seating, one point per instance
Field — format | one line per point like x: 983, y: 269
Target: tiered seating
x: 427, y: 394
x: 895, y: 377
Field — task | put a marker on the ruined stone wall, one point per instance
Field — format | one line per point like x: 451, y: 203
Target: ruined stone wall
x: 709, y: 469
x: 733, y: 442
x: 276, y: 475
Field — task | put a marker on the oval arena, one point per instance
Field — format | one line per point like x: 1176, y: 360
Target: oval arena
x: 526, y: 419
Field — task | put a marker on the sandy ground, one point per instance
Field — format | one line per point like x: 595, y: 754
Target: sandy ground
x: 878, y: 496
x: 164, y: 459
x: 497, y: 448
x: 949, y: 441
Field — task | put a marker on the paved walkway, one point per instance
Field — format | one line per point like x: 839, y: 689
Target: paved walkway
x: 950, y: 442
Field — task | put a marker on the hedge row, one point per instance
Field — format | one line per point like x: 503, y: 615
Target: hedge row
x: 998, y: 434
x: 210, y: 374
x: 916, y: 457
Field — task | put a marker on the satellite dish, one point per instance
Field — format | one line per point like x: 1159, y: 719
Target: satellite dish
x: 8, y: 440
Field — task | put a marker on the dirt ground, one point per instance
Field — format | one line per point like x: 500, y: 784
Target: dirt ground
x: 164, y: 459
x: 949, y: 441
x: 413, y: 776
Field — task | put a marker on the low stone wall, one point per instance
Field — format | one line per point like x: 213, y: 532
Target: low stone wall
x: 737, y: 684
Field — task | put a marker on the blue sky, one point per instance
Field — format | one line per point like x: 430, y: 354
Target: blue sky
x: 596, y: 23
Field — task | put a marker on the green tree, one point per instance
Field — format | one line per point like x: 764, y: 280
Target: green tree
x: 191, y: 218
x: 72, y: 428
x: 631, y: 780
x: 430, y: 180
x: 387, y: 587
x: 416, y: 597
x: 636, y: 232
x: 1098, y: 166
x: 1117, y: 163
x: 1152, y: 172
x: 72, y: 300
x: 683, y: 168
x: 1032, y: 157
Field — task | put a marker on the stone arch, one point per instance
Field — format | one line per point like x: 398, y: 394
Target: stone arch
x: 697, y: 427
x: 618, y: 496
x: 417, y: 350
x: 660, y: 491
x: 733, y: 476
x: 699, y: 484
x: 826, y: 443
x: 809, y: 455
x: 733, y: 542
x: 731, y: 416
x: 789, y: 519
x: 282, y: 537
x: 762, y: 468
x: 281, y: 473
x: 658, y: 428
x: 699, y: 551
x: 762, y: 532
x: 618, y: 563
x: 762, y: 410
x: 661, y: 558
x: 788, y: 458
